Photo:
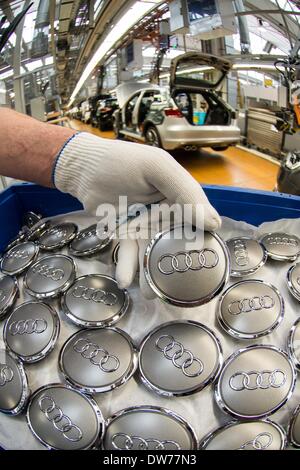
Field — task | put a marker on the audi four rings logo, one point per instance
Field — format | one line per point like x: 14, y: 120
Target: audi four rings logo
x: 181, y: 358
x: 96, y: 295
x: 183, y: 261
x: 60, y: 421
x: 58, y: 232
x: 261, y: 442
x: 2, y: 295
x: 6, y: 374
x: 255, y: 380
x: 28, y: 326
x: 56, y: 274
x: 250, y: 305
x: 240, y: 253
x: 98, y: 356
x: 285, y: 241
x: 90, y: 233
x: 122, y: 441
x: 18, y: 254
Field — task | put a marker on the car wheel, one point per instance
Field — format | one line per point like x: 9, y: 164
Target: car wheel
x: 152, y: 137
x: 220, y: 149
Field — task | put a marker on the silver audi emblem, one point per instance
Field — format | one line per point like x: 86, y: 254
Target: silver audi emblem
x: 18, y: 254
x: 184, y: 261
x: 6, y: 374
x: 28, y: 326
x: 261, y: 442
x: 255, y: 380
x: 240, y: 253
x: 243, y: 435
x: 97, y: 356
x: 122, y: 441
x: 95, y: 295
x: 48, y: 271
x: 57, y: 232
x: 186, y: 272
x: 86, y: 234
x: 62, y: 418
x: 281, y: 246
x: 282, y: 241
x: 94, y: 301
x: 60, y: 421
x: 148, y: 428
x: 247, y: 255
x: 250, y: 305
x: 181, y: 358
x: 250, y: 309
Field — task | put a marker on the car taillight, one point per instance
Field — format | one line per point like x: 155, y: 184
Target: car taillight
x: 173, y: 112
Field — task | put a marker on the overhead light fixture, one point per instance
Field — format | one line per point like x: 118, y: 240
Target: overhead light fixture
x: 135, y: 13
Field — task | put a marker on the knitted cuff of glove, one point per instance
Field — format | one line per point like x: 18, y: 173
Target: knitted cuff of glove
x: 77, y: 162
x: 57, y: 158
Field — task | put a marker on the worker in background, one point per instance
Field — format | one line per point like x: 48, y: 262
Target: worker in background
x: 97, y: 171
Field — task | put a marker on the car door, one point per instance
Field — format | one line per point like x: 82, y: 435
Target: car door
x: 128, y: 111
x: 197, y: 71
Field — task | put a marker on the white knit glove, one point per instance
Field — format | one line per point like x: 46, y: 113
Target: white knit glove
x: 97, y: 171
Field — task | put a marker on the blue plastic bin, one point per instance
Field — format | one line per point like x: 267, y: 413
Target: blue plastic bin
x: 250, y: 206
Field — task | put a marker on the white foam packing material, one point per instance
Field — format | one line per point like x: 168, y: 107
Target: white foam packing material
x: 200, y: 409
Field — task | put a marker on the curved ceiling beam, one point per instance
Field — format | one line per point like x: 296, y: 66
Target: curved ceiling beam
x: 265, y: 7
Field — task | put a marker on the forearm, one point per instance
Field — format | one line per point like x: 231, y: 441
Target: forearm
x: 28, y: 147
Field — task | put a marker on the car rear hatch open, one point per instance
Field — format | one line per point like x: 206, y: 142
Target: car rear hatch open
x: 198, y: 71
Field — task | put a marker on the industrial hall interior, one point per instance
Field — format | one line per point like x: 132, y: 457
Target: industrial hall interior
x: 150, y: 236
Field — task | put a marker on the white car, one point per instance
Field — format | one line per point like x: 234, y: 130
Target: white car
x: 189, y: 114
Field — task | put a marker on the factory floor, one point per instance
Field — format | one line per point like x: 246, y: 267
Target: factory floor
x: 234, y: 167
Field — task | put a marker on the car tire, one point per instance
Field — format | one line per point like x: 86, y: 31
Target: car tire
x: 220, y: 149
x: 152, y: 137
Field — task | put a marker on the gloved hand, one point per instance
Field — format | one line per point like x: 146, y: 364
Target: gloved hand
x: 97, y: 171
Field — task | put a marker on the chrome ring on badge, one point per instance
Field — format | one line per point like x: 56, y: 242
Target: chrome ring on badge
x: 57, y: 232
x: 179, y: 353
x: 89, y: 350
x: 240, y: 253
x: 19, y: 254
x: 60, y: 421
x: 251, y: 305
x: 188, y: 261
x: 264, y: 380
x: 261, y: 442
x: 83, y: 235
x: 122, y: 441
x: 96, y: 295
x: 282, y: 241
x: 28, y: 326
x: 6, y: 374
x: 56, y: 274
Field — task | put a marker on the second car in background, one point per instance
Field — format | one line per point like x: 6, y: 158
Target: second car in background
x: 104, y: 113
